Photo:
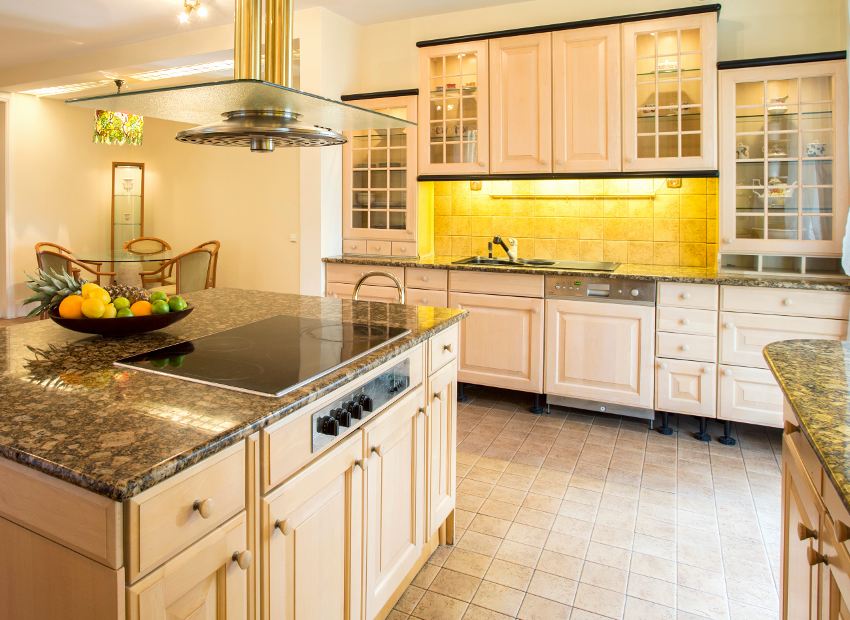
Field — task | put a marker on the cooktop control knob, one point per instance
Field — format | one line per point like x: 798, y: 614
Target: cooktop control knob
x: 635, y: 293
x: 326, y: 425
x: 342, y: 416
x: 365, y: 402
x: 355, y: 409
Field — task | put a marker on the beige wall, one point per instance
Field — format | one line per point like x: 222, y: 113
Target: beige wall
x: 747, y: 29
x: 59, y: 184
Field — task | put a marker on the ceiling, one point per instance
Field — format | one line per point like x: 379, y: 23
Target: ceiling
x: 375, y: 11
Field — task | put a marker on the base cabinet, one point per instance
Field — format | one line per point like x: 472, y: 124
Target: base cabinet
x: 684, y: 386
x: 749, y: 395
x: 441, y: 428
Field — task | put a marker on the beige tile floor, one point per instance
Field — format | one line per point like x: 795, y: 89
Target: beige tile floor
x: 572, y: 515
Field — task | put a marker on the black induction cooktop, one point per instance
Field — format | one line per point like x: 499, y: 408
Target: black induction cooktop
x: 270, y: 357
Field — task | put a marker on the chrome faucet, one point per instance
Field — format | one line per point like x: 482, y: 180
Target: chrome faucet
x: 510, y: 247
x: 375, y: 274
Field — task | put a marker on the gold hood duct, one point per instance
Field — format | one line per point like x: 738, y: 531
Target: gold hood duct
x: 260, y: 111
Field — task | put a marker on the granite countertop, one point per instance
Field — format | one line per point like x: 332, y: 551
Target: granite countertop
x: 815, y: 377
x: 69, y: 412
x: 656, y: 273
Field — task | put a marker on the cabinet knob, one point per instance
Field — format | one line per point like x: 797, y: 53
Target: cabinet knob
x: 787, y: 302
x: 360, y: 464
x: 425, y: 278
x: 727, y: 325
x: 726, y: 372
x: 726, y: 240
x: 243, y: 559
x: 203, y: 507
x: 684, y: 296
x: 447, y: 347
x: 377, y: 450
x: 814, y: 557
x: 663, y: 365
x: 481, y: 163
x: 283, y: 526
x: 684, y: 347
x: 424, y: 411
x: 842, y: 531
x: 704, y: 370
x: 685, y: 322
x: 804, y: 533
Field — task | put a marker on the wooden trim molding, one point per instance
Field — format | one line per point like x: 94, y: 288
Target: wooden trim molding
x: 769, y: 61
x: 380, y: 94
x: 640, y: 174
x: 584, y: 23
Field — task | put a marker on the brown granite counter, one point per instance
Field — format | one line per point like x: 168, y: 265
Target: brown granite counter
x: 815, y: 377
x: 657, y: 273
x: 67, y: 411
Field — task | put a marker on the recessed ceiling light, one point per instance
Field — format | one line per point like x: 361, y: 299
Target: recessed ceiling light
x: 66, y: 88
x: 173, y: 72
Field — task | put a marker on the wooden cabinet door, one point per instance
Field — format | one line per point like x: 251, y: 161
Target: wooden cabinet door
x: 208, y: 581
x: 395, y: 497
x: 313, y: 539
x: 800, y: 519
x: 441, y: 431
x: 686, y: 387
x: 501, y: 341
x: 600, y: 351
x: 749, y: 395
x: 586, y: 99
x: 670, y: 93
x: 521, y: 104
x: 835, y: 575
x: 454, y: 109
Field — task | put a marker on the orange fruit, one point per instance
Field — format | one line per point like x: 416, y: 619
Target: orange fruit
x: 71, y: 307
x: 141, y: 308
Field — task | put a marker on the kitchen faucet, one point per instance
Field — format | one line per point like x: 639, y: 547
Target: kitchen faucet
x: 510, y: 247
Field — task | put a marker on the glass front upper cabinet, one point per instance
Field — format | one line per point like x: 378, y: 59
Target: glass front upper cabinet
x: 669, y: 114
x: 379, y: 183
x: 784, y: 158
x: 454, y: 109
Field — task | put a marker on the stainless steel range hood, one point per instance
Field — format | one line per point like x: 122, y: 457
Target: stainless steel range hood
x: 257, y: 113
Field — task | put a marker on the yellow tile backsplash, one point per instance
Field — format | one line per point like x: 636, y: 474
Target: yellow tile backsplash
x: 635, y: 221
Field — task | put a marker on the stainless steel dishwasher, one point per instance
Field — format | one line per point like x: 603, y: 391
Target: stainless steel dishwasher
x: 600, y: 344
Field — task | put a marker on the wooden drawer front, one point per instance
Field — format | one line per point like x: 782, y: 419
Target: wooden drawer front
x: 436, y: 279
x: 687, y: 321
x: 517, y: 284
x: 340, y: 290
x: 404, y: 248
x: 379, y: 248
x: 424, y: 297
x: 743, y: 337
x: 837, y: 512
x: 353, y: 246
x: 815, y: 304
x: 687, y: 295
x: 443, y: 349
x: 686, y: 347
x: 809, y: 460
x: 351, y: 273
x: 749, y: 395
x: 686, y: 387
x: 169, y: 517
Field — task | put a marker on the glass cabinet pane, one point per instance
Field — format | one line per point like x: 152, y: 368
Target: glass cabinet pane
x: 453, y: 108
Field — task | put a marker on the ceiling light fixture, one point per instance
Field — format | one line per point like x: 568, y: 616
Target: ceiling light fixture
x: 174, y: 72
x: 66, y: 88
x: 189, y: 7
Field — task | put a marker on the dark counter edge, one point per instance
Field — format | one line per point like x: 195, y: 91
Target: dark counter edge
x: 837, y: 485
x: 180, y: 462
x: 728, y: 279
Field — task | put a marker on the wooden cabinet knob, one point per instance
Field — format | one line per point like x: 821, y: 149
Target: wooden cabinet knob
x: 685, y: 296
x: 842, y: 531
x: 727, y: 325
x: 726, y: 372
x: 814, y: 557
x: 787, y: 302
x: 424, y: 411
x: 447, y: 347
x: 804, y: 533
x: 790, y: 427
x: 377, y: 450
x: 203, y: 507
x: 685, y: 322
x: 283, y: 526
x: 424, y: 278
x: 360, y: 464
x: 663, y: 365
x: 704, y: 370
x: 684, y: 347
x: 243, y: 559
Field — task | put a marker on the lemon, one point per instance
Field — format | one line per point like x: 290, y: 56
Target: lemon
x: 88, y: 288
x: 110, y: 311
x: 93, y: 308
x: 70, y: 308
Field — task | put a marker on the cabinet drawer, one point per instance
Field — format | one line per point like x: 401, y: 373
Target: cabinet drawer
x: 424, y: 297
x: 749, y: 395
x: 380, y: 248
x: 815, y: 304
x: 351, y: 273
x: 174, y: 514
x: 517, y: 284
x: 744, y: 336
x: 808, y: 459
x: 404, y: 248
x: 687, y: 321
x: 686, y: 347
x: 443, y: 349
x: 687, y: 295
x: 686, y: 387
x: 354, y: 246
x: 367, y: 293
x: 436, y: 279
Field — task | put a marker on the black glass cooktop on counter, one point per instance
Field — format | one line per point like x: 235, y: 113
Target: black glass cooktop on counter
x: 270, y: 357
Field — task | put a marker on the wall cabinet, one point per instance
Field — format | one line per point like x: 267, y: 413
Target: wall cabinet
x: 454, y: 110
x: 669, y: 93
x: 379, y: 184
x: 521, y: 104
x: 586, y: 109
x: 441, y: 428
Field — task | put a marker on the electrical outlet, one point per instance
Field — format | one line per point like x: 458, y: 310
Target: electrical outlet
x: 674, y: 183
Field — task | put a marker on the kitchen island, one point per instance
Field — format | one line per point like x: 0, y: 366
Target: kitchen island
x: 815, y: 377
x: 129, y: 494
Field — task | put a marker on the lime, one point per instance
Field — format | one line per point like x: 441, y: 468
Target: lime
x: 124, y: 312
x: 158, y: 295
x: 160, y: 306
x: 160, y: 362
x: 177, y: 303
x: 110, y: 312
x: 121, y: 302
x: 176, y: 361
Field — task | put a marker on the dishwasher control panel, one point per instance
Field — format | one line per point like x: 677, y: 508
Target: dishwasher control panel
x: 602, y: 289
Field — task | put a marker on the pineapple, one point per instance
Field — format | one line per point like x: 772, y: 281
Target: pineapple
x: 49, y: 289
x: 133, y: 293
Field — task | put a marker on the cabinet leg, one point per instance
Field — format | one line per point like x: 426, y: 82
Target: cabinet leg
x: 702, y: 435
x: 461, y: 392
x: 449, y: 528
x: 665, y: 429
x: 539, y: 404
x: 726, y: 439
x: 652, y: 424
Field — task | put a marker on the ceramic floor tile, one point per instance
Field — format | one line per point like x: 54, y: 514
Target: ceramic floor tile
x: 639, y: 609
x: 509, y: 574
x: 474, y: 612
x: 553, y: 587
x: 499, y: 598
x: 409, y: 599
x: 468, y: 562
x: 604, y: 576
x: 518, y: 553
x: 455, y: 584
x: 539, y: 608
x: 600, y: 601
x: 434, y: 606
x: 651, y: 589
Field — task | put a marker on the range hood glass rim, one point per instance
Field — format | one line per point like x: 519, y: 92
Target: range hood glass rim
x: 313, y: 107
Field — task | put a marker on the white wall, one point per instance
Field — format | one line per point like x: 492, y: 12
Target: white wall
x: 59, y: 190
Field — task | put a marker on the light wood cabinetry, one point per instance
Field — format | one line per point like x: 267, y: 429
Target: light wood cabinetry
x: 379, y: 184
x: 454, y: 109
x: 586, y: 110
x: 669, y: 93
x: 686, y: 387
x: 749, y: 395
x: 521, y: 104
x: 441, y: 429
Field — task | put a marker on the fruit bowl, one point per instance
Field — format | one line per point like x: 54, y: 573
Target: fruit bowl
x: 120, y: 327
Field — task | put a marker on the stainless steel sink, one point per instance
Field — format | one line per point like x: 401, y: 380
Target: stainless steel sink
x: 483, y: 260
x: 537, y: 262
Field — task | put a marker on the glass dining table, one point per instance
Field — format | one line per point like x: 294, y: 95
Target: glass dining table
x: 126, y: 265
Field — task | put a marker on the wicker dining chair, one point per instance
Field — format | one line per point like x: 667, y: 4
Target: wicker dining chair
x: 192, y: 271
x: 54, y: 257
x: 213, y: 247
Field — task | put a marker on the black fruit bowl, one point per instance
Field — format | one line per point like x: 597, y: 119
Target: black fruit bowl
x: 118, y: 328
